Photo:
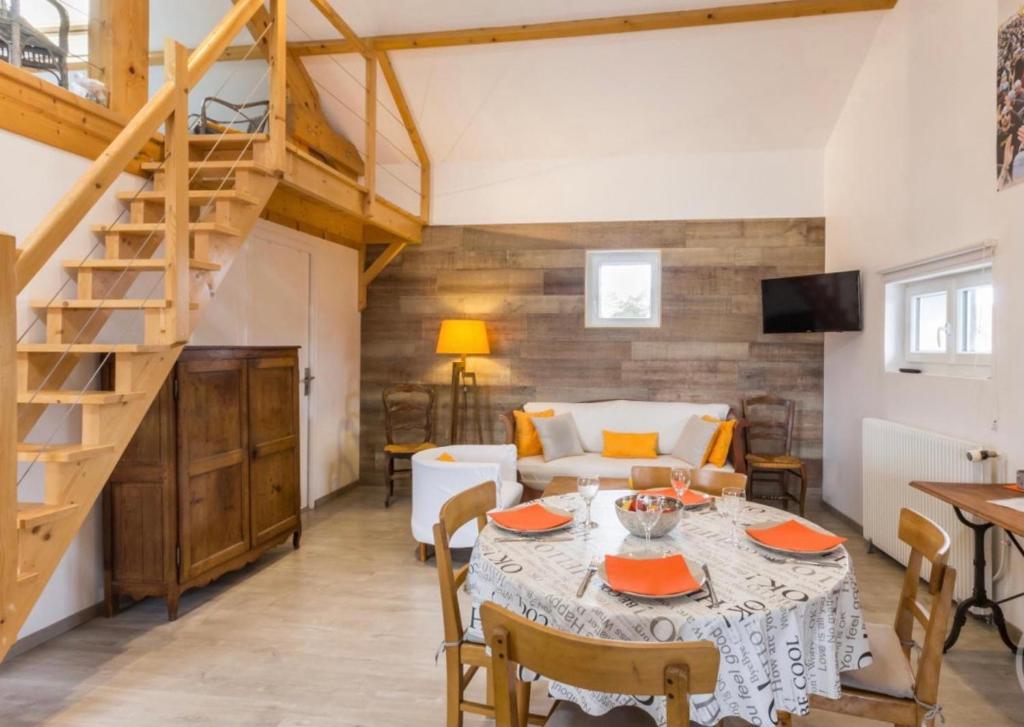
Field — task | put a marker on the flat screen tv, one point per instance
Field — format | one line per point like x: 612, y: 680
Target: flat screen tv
x: 812, y: 303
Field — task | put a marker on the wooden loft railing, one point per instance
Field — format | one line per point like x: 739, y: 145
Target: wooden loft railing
x: 201, y: 224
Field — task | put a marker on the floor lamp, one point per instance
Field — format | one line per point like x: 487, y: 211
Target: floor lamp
x: 463, y: 338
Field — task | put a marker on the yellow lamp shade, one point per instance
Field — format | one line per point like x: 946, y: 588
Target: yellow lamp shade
x: 463, y: 337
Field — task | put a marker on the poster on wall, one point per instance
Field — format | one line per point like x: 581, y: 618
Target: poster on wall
x: 1010, y: 97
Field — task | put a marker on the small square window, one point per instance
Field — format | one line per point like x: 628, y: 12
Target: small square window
x: 942, y: 323
x: 623, y: 289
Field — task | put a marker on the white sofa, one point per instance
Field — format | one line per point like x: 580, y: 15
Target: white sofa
x: 592, y: 418
x: 434, y: 482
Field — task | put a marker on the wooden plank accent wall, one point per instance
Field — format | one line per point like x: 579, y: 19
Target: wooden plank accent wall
x: 527, y: 282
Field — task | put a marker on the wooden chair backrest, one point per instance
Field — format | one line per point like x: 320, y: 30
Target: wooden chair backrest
x: 712, y: 482
x: 408, y: 413
x: 674, y: 670
x: 928, y: 542
x: 769, y: 424
x: 647, y: 478
x: 471, y: 504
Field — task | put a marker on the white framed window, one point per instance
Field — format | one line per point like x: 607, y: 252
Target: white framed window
x: 942, y: 322
x: 623, y: 289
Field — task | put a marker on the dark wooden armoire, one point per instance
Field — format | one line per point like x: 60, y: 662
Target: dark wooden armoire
x: 210, y: 481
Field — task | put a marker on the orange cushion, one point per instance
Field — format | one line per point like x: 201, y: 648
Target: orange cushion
x: 722, y: 443
x: 623, y: 445
x: 527, y: 439
x: 445, y: 457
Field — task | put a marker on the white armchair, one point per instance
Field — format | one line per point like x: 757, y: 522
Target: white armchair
x: 434, y: 482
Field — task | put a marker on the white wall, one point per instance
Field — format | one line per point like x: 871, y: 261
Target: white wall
x: 909, y: 173
x: 42, y: 175
x: 784, y: 183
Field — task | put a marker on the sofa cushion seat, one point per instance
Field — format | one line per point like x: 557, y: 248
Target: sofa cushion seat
x: 535, y: 473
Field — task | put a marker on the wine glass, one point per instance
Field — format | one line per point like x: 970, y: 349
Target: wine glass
x: 731, y: 504
x: 588, y: 486
x: 648, y: 512
x: 681, y: 479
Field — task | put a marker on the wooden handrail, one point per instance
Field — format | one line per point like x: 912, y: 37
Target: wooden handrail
x: 8, y: 441
x: 87, y: 190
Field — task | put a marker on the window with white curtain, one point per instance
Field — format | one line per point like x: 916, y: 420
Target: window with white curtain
x: 941, y: 321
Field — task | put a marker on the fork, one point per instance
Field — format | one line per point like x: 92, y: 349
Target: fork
x: 591, y: 570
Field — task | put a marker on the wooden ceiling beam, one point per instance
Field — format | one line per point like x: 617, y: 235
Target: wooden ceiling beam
x: 388, y: 71
x: 724, y: 15
x: 341, y: 26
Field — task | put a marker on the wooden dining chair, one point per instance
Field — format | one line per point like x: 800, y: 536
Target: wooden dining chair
x: 713, y: 482
x: 674, y: 670
x: 649, y: 478
x: 408, y: 429
x: 890, y: 689
x: 710, y: 482
x: 463, y: 657
x: 768, y: 429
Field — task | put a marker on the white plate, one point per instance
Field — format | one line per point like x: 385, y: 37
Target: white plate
x: 555, y: 510
x: 696, y: 570
x: 787, y: 551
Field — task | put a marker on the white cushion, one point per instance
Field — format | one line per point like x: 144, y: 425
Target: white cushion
x: 535, y: 473
x: 435, y: 482
x: 558, y: 436
x: 889, y: 671
x: 667, y: 418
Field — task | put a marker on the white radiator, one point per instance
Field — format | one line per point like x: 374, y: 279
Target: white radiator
x: 894, y: 456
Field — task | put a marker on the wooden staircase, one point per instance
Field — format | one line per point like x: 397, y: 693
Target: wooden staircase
x: 206, y: 196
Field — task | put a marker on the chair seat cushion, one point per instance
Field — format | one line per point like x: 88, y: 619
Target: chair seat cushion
x: 412, y: 448
x: 774, y: 461
x: 889, y: 673
x: 567, y: 714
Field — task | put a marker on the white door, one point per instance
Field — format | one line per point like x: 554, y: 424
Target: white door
x: 278, y: 308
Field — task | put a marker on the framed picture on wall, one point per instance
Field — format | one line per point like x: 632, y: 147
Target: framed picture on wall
x: 1010, y: 97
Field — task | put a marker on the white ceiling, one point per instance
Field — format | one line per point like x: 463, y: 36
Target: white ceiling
x: 762, y: 86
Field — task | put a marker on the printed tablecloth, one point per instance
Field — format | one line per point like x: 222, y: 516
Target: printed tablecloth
x: 784, y: 631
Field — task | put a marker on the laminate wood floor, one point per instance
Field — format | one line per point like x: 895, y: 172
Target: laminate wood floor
x: 342, y: 634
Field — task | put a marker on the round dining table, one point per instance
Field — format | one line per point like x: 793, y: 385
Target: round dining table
x: 784, y: 630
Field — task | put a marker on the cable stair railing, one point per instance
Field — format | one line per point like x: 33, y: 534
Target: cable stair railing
x: 183, y: 231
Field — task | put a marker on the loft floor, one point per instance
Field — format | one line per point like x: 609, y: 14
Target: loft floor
x: 343, y: 634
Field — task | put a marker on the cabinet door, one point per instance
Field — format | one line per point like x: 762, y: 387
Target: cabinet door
x: 141, y: 532
x: 213, y: 463
x: 274, y: 445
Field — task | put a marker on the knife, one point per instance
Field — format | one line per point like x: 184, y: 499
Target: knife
x: 591, y: 570
x: 715, y: 603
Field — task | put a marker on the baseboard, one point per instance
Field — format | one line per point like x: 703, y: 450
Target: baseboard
x: 856, y: 526
x: 343, y: 490
x: 54, y: 630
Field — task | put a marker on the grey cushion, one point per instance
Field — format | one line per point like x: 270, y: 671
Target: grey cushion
x: 558, y: 436
x: 889, y: 672
x: 567, y: 714
x: 694, y: 440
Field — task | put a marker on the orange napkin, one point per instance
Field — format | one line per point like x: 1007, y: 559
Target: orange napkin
x: 1013, y: 488
x: 650, y: 577
x: 690, y: 498
x: 793, y: 535
x: 530, y: 518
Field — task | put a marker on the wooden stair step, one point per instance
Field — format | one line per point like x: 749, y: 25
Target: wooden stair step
x: 110, y: 303
x: 139, y: 264
x: 31, y: 452
x: 195, y: 196
x: 216, y: 165
x: 92, y: 398
x: 141, y: 229
x: 93, y: 347
x: 34, y: 514
x: 231, y: 139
